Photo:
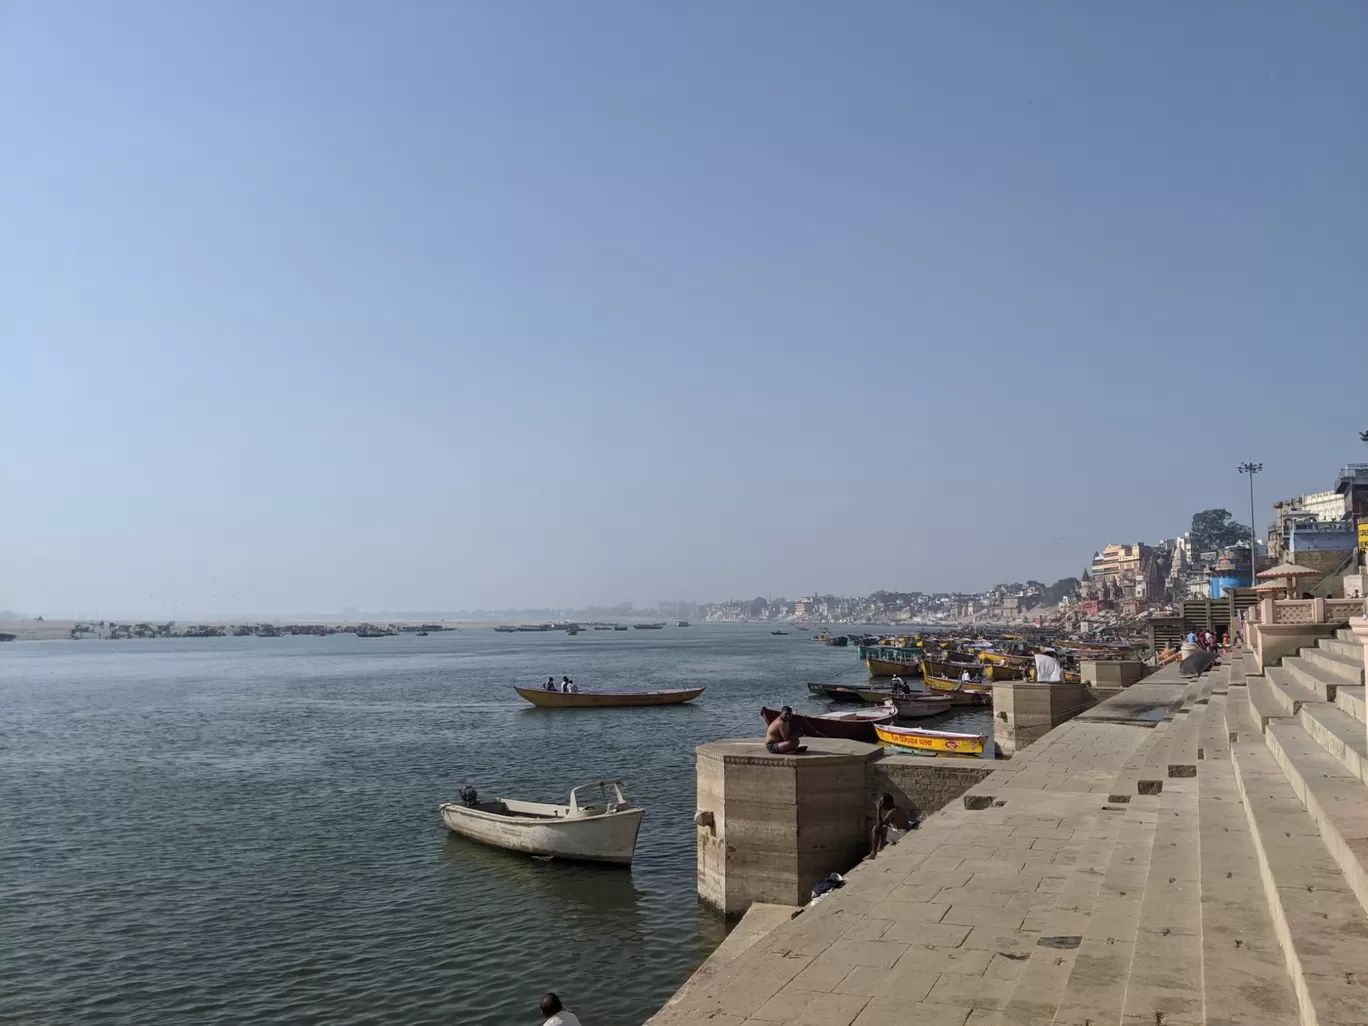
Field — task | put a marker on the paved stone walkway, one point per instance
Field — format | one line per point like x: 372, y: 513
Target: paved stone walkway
x: 1100, y: 886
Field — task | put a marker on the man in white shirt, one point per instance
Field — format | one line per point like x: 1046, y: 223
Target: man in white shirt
x: 1047, y: 668
x: 554, y: 1013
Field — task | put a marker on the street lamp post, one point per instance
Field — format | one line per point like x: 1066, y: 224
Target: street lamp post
x: 1251, y: 469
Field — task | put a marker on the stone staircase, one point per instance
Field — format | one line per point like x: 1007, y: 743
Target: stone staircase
x: 1235, y: 889
x: 1212, y: 869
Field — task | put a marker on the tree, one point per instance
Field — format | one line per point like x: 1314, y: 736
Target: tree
x: 1213, y: 530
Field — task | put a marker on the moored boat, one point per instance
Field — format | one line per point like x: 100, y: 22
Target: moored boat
x: 885, y: 660
x: 838, y: 641
x: 937, y: 741
x: 619, y: 627
x: 603, y: 832
x: 914, y: 706
x: 857, y: 725
x: 544, y: 699
x: 649, y: 626
x: 839, y: 692
x: 779, y: 633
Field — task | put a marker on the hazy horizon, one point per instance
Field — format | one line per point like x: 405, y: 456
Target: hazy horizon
x: 440, y: 306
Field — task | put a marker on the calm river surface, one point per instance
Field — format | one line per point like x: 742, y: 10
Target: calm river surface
x: 244, y: 830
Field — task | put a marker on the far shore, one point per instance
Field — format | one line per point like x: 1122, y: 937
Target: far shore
x: 60, y: 630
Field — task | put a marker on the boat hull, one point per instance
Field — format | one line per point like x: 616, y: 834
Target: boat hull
x: 818, y: 726
x: 892, y: 668
x: 544, y: 699
x: 606, y: 838
x: 938, y: 741
x: 838, y: 692
x: 912, y: 707
x: 961, y: 694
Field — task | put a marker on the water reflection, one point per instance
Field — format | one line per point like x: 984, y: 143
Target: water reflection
x: 607, y: 889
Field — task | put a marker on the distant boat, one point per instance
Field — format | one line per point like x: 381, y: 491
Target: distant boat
x: 649, y: 626
x: 8, y: 637
x: 372, y: 634
x: 422, y: 634
x: 604, y: 832
x: 544, y: 699
x: 839, y: 641
x: 605, y: 628
x: 506, y: 630
x: 682, y: 623
x: 619, y: 628
x: 848, y: 726
x: 780, y: 634
x: 573, y: 631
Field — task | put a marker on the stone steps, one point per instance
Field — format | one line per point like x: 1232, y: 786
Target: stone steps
x: 1244, y: 977
x: 1346, y: 668
x: 1342, y: 736
x: 1094, y: 987
x: 1164, y: 983
x: 1154, y: 769
x: 1182, y: 753
x: 1267, y: 701
x: 1334, y: 799
x: 1288, y: 692
x: 1058, y: 928
x: 1351, y: 701
x: 1317, y: 917
x: 1311, y: 677
x: 1350, y: 649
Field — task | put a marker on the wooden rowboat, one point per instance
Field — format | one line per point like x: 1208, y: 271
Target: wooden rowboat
x: 857, y: 725
x: 963, y: 694
x: 544, y: 699
x: 938, y: 741
x: 839, y: 692
x: 604, y: 832
x: 913, y: 706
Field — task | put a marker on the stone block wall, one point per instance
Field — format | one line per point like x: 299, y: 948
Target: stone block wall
x: 922, y: 786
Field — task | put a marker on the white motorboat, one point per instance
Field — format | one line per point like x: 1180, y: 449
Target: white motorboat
x: 605, y: 831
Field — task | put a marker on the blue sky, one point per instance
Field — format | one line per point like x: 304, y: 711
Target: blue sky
x: 314, y: 305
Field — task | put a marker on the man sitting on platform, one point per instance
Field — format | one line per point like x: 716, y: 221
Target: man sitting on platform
x: 779, y: 739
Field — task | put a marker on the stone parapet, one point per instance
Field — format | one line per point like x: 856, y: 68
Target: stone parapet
x: 1117, y: 673
x: 1024, y: 712
x: 770, y: 827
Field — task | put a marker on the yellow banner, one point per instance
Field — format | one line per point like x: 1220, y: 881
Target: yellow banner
x: 1363, y: 537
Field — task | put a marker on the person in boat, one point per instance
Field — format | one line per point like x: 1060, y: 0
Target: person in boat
x: 898, y: 687
x: 886, y: 815
x: 780, y: 738
x: 554, y: 1013
x: 565, y: 685
x: 550, y: 684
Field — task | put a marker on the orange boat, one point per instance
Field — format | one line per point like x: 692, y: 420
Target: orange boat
x: 544, y: 699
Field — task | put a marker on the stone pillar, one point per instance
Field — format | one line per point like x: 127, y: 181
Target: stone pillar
x: 1112, y: 673
x: 771, y: 827
x: 1359, y: 625
x: 1024, y: 712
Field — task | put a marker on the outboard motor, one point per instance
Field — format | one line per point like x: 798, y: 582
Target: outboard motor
x: 470, y: 797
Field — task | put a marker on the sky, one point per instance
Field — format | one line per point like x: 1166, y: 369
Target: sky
x: 429, y: 305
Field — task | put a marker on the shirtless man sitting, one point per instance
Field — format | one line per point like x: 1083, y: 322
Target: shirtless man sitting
x: 779, y: 739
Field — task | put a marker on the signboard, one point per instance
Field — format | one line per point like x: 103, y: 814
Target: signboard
x: 1363, y: 537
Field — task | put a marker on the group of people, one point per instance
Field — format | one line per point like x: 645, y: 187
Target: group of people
x: 566, y: 686
x: 1205, y: 640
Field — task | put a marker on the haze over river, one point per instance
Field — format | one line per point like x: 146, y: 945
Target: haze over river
x: 245, y: 830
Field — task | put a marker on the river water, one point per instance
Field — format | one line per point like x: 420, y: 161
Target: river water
x: 244, y: 830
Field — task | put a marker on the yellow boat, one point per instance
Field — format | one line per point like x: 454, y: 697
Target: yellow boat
x: 939, y: 741
x: 963, y: 694
x: 604, y: 699
x: 892, y: 659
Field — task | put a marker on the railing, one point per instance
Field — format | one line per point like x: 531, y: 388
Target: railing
x: 1294, y: 611
x: 1340, y: 610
